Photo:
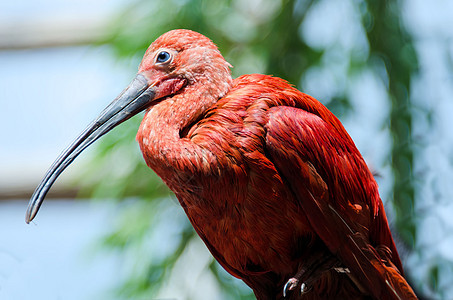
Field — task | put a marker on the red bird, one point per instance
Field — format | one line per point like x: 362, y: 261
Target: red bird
x: 268, y: 176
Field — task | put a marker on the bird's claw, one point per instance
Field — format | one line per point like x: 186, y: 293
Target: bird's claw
x: 303, y: 288
x: 291, y: 284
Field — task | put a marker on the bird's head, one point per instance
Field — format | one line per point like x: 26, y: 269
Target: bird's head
x: 176, y: 61
x: 181, y: 58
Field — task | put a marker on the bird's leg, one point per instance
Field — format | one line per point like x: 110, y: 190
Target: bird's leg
x: 309, y: 273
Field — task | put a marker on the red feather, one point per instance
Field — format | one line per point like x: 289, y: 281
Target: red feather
x: 268, y: 176
x: 276, y: 185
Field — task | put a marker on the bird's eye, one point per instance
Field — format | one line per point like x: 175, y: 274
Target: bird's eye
x: 163, y: 57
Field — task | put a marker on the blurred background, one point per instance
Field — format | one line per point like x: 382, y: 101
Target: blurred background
x: 111, y: 230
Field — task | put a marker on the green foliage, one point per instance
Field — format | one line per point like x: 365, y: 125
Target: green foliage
x: 392, y: 45
x: 434, y: 277
x: 255, y: 37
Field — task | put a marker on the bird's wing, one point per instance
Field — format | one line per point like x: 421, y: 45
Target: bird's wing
x: 335, y: 189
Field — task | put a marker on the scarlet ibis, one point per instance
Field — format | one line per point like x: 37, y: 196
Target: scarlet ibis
x: 267, y: 175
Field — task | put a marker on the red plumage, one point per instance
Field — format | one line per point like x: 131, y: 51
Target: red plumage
x: 267, y: 175
x: 273, y: 184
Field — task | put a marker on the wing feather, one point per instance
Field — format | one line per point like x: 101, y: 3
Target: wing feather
x: 339, y: 196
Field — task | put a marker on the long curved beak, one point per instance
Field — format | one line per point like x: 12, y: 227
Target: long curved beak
x: 132, y: 100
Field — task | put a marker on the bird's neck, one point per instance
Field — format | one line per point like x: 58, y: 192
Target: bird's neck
x: 166, y: 119
x: 159, y: 135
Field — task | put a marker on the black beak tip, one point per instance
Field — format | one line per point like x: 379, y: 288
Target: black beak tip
x: 30, y: 214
